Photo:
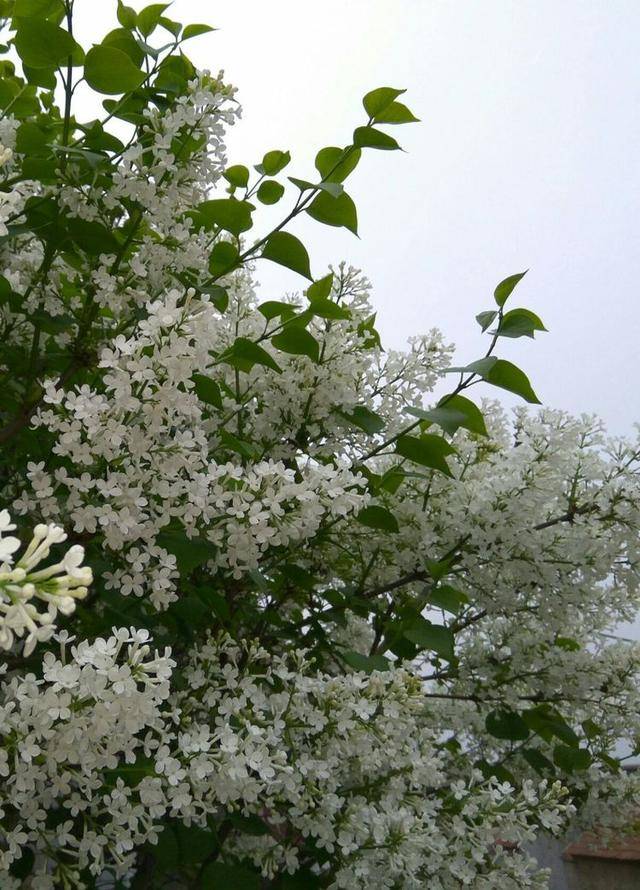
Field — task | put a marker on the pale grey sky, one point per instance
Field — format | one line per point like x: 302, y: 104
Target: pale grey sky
x: 526, y: 157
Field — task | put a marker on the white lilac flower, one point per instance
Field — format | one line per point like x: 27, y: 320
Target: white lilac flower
x: 24, y: 592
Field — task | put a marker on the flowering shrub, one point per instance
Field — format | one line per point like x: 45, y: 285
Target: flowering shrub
x: 332, y: 630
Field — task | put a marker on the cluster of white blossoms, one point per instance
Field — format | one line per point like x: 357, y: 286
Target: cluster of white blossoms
x: 346, y: 762
x: 63, y: 734
x: 30, y: 600
x: 384, y: 672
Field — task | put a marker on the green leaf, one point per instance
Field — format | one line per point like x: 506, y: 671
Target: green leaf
x: 237, y: 175
x: 448, y: 598
x: 166, y: 855
x: 548, y: 723
x: 376, y: 101
x: 277, y: 309
x: 538, y: 761
x: 329, y: 309
x: 126, y: 15
x: 224, y: 257
x: 520, y: 323
x: 195, y: 31
x: 508, y: 725
x: 41, y: 44
x: 249, y: 354
x: 368, y: 137
x: 500, y: 373
x: 435, y: 637
x: 220, y: 876
x: 504, y: 290
x: 396, y: 113
x: 335, y: 164
x: 297, y: 341
x: 364, y: 419
x: 366, y: 663
x: 332, y: 188
x: 591, y: 729
x: 91, y: 236
x: 289, y: 251
x: 207, y: 390
x: 149, y: 17
x: 22, y: 867
x: 485, y: 319
x: 41, y: 77
x: 110, y: 70
x: 35, y: 8
x: 571, y: 760
x: 321, y: 288
x: 124, y: 40
x: 428, y: 451
x: 219, y: 296
x: 375, y: 516
x: 274, y: 161
x: 270, y: 191
x: 189, y: 552
x: 507, y: 376
x: 226, y: 213
x: 340, y: 211
x: 482, y: 366
x: 454, y: 412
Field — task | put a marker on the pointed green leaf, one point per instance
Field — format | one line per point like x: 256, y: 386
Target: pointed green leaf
x: 224, y: 257
x: 295, y: 340
x: 195, y: 31
x: 435, y: 637
x: 378, y: 517
x: 321, y: 288
x: 289, y: 251
x: 148, y: 18
x: 448, y: 598
x: 329, y: 309
x: 504, y: 290
x: 571, y: 760
x: 485, y: 319
x: 396, y: 113
x: 335, y: 164
x: 506, y: 725
x: 368, y: 137
x: 507, y: 376
x: 365, y: 419
x: 520, y: 323
x: 454, y: 412
x: 219, y: 296
x: 482, y: 366
x: 276, y: 309
x: 41, y: 44
x: 227, y: 213
x: 110, y: 70
x: 428, y: 451
x: 126, y: 15
x: 376, y: 101
x: 244, y: 353
x: 335, y: 189
x: 340, y: 211
x: 207, y: 390
x: 366, y: 663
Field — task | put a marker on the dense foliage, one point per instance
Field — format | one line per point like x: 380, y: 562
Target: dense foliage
x: 271, y: 613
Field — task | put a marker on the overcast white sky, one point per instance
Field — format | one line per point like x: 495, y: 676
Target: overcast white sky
x: 526, y: 157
